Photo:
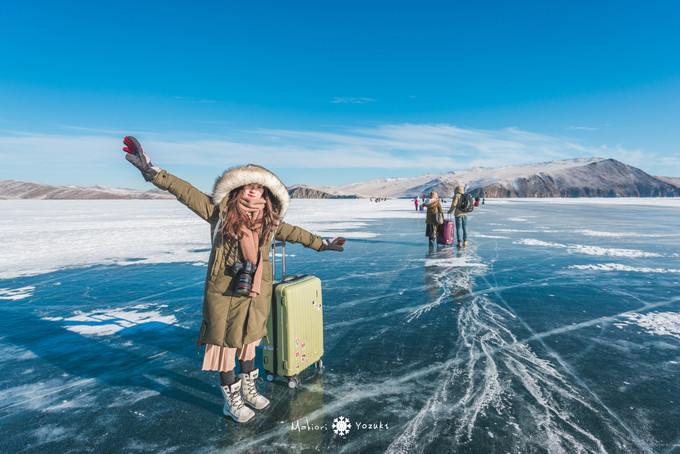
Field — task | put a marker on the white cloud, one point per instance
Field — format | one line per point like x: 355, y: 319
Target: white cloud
x: 422, y: 147
x: 669, y: 166
x: 44, y: 149
x: 637, y: 158
x: 340, y: 100
x: 582, y: 128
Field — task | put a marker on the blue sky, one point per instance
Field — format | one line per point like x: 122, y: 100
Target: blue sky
x: 330, y: 93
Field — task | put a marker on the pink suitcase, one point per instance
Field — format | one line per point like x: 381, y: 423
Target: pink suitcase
x: 445, y: 233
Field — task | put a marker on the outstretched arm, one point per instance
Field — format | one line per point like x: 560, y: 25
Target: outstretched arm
x: 432, y: 203
x: 454, y: 203
x: 293, y: 234
x: 195, y: 200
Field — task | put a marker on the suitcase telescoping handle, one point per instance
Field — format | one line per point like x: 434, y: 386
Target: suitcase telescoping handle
x: 283, y: 258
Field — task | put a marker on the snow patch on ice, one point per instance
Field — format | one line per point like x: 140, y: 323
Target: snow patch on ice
x: 533, y: 242
x: 498, y: 237
x: 659, y: 323
x: 77, y: 233
x: 617, y: 234
x: 595, y: 250
x: 645, y: 202
x: 108, y: 322
x: 588, y: 250
x: 620, y: 267
x: 16, y: 293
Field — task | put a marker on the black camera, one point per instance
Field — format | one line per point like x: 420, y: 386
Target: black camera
x: 244, y: 277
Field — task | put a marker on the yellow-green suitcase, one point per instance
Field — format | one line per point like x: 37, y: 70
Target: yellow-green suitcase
x: 295, y: 326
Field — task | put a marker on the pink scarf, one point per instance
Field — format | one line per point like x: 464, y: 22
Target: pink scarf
x: 250, y: 239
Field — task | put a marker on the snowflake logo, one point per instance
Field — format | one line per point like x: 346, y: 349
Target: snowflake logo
x: 341, y: 426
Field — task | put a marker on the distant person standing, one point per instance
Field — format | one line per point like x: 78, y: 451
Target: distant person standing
x: 433, y: 207
x: 415, y: 202
x: 477, y: 201
x: 460, y: 216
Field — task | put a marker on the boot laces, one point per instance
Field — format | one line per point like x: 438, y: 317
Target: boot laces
x: 235, y: 400
x: 249, y: 388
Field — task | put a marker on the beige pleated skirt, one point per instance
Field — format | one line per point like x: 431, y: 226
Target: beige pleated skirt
x: 222, y: 358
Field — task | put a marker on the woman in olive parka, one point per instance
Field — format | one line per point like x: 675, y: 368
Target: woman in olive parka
x: 434, y: 206
x: 244, y: 212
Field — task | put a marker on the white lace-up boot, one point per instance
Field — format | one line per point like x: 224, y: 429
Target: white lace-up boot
x: 250, y: 394
x: 233, y: 403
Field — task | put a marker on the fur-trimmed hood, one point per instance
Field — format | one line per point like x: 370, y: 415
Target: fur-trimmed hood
x: 251, y: 173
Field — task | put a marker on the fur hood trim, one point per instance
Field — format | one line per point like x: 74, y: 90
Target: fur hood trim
x: 460, y: 189
x: 251, y: 173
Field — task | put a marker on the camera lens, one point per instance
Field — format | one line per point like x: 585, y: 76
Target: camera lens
x: 244, y: 284
x: 244, y: 280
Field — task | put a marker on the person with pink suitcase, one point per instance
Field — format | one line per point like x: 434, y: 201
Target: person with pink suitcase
x: 434, y: 210
x: 446, y: 233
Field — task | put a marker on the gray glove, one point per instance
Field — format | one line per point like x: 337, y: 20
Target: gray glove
x: 136, y: 156
x: 333, y: 244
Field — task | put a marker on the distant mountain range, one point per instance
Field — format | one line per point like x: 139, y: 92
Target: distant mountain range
x: 583, y: 177
x: 301, y: 191
x: 10, y: 189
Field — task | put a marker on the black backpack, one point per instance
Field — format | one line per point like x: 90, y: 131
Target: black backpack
x: 466, y: 203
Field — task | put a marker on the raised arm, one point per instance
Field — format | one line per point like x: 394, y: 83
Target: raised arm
x: 195, y: 200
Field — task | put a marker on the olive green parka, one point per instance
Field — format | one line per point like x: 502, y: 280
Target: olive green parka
x: 231, y: 320
x: 432, y: 210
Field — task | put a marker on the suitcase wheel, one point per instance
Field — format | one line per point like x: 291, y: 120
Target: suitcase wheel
x: 270, y: 377
x: 292, y: 382
x: 319, y: 364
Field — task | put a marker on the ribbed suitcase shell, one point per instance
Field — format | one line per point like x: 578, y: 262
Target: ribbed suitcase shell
x: 294, y: 327
x: 445, y: 233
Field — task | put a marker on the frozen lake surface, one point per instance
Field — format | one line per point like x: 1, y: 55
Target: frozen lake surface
x: 556, y: 330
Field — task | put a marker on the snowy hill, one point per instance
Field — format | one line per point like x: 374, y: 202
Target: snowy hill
x: 301, y: 191
x: 583, y: 177
x: 10, y: 189
x: 670, y: 180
